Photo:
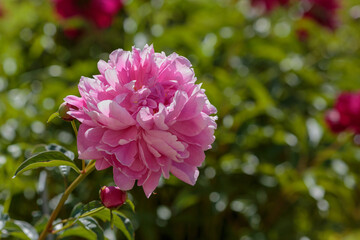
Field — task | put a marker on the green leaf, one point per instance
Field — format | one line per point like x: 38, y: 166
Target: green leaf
x: 21, y: 230
x: 131, y: 204
x: 27, y: 229
x: 52, y: 116
x: 64, y: 170
x: 41, y: 223
x: 46, y: 159
x: 75, y: 212
x: 59, y: 148
x: 86, y: 210
x: 91, y: 224
x: 3, y: 217
x: 79, y: 231
x: 120, y: 221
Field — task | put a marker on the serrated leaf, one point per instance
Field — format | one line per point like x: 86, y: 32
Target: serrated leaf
x: 79, y: 231
x: 46, y: 159
x: 120, y: 221
x: 52, y: 116
x: 91, y: 224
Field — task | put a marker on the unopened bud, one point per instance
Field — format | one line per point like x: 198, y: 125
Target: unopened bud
x: 112, y: 197
x: 63, y: 109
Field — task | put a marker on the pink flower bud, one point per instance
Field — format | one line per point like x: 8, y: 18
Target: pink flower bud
x: 112, y: 197
x: 63, y: 109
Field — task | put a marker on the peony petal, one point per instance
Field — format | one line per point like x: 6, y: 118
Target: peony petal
x: 197, y: 156
x: 75, y: 101
x: 147, y: 158
x: 103, y: 66
x: 87, y: 140
x: 176, y: 106
x: 191, y: 127
x: 144, y: 118
x: 125, y: 154
x: 122, y: 181
x: 193, y: 107
x: 164, y: 143
x: 159, y: 118
x: 151, y: 183
x: 185, y: 172
x: 101, y: 164
x: 112, y: 78
x: 114, y: 138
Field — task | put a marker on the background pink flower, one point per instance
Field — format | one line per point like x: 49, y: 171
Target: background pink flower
x: 269, y: 4
x: 145, y: 117
x: 100, y: 12
x: 324, y: 12
x: 346, y: 113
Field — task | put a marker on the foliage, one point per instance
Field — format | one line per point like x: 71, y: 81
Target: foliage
x: 275, y: 171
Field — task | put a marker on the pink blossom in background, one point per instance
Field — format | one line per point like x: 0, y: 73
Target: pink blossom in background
x: 73, y: 33
x: 346, y: 114
x: 324, y: 12
x: 145, y: 117
x: 302, y: 34
x: 1, y: 11
x: 100, y: 12
x: 269, y: 4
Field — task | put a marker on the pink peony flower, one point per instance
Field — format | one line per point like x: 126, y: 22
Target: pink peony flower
x: 112, y: 197
x: 269, y: 5
x: 100, y: 12
x: 346, y: 114
x: 145, y: 117
x: 324, y: 12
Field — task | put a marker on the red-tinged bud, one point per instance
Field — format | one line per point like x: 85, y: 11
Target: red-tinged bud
x: 112, y: 197
x: 63, y: 109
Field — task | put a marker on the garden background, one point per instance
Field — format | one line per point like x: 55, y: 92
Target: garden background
x: 275, y: 170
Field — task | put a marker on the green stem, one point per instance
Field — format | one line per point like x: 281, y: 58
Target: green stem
x: 74, y: 127
x: 73, y: 219
x: 64, y: 197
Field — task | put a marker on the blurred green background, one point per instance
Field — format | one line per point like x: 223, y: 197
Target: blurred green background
x: 275, y: 172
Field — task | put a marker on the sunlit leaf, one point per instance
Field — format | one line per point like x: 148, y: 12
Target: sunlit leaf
x: 120, y: 221
x: 87, y: 209
x: 64, y: 170
x: 21, y: 230
x: 46, y: 159
x: 79, y: 231
x: 52, y: 116
x: 91, y: 224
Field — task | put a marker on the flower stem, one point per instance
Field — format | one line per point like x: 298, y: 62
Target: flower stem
x: 73, y: 220
x: 64, y: 197
x: 74, y: 127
